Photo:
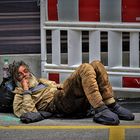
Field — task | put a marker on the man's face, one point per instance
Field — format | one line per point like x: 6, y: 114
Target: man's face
x: 23, y: 72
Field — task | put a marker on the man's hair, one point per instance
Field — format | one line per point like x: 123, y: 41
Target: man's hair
x: 13, y: 68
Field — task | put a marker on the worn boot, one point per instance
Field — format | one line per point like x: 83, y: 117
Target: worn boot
x: 104, y: 116
x: 123, y: 113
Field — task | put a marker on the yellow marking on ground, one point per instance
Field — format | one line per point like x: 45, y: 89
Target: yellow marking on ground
x: 54, y: 127
x: 69, y: 127
x: 116, y: 133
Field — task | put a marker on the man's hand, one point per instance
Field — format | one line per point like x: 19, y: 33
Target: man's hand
x: 59, y: 86
x: 25, y: 83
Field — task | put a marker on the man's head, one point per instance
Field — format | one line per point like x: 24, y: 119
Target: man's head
x: 19, y: 70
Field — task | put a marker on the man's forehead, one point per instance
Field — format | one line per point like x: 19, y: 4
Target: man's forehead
x: 22, y: 67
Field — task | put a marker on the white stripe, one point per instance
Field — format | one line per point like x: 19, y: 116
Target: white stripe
x: 68, y: 10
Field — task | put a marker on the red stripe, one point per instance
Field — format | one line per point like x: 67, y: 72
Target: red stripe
x: 89, y: 10
x: 52, y: 10
x: 54, y: 77
x: 131, y: 82
x: 130, y: 10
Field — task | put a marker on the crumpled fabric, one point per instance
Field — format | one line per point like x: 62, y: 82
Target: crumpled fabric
x: 6, y: 96
x: 104, y: 116
x: 123, y: 113
x: 31, y: 117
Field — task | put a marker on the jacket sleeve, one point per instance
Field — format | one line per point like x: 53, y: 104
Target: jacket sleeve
x: 23, y: 104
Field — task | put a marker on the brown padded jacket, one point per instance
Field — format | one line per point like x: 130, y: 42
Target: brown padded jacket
x: 36, y: 101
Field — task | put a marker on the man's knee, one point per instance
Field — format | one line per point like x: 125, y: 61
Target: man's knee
x: 86, y: 69
x: 98, y: 66
x: 96, y: 62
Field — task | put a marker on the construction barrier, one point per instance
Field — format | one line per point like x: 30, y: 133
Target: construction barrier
x: 119, y: 74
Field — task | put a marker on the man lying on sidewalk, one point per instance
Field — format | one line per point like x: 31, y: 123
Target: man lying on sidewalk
x: 87, y: 86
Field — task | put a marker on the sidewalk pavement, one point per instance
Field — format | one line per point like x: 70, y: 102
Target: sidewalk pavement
x: 67, y: 129
x: 70, y: 129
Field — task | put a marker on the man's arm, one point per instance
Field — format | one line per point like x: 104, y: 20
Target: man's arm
x: 23, y: 102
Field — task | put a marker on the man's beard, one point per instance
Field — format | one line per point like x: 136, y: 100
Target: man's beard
x: 33, y: 82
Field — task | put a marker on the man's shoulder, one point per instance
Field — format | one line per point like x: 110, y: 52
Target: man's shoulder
x: 46, y: 81
x: 18, y: 90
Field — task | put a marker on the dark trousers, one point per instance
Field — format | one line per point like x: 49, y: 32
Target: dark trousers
x: 87, y: 85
